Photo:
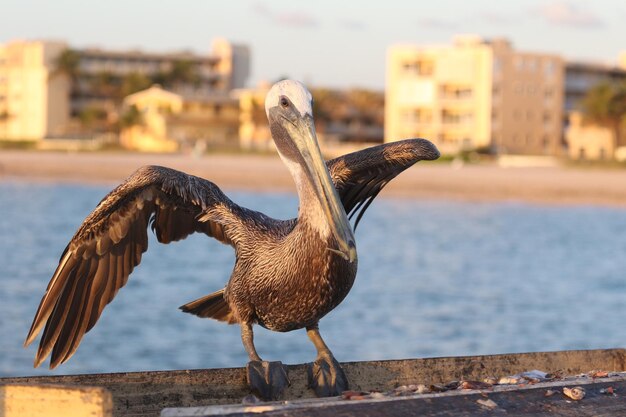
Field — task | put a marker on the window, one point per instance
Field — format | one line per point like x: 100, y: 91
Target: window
x: 547, y: 121
x: 416, y: 116
x: 548, y: 94
x: 549, y: 68
x: 450, y: 117
x: 455, y: 92
x: 418, y: 67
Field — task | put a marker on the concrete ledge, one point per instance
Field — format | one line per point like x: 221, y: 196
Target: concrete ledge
x: 147, y: 393
x: 512, y: 401
x: 54, y: 401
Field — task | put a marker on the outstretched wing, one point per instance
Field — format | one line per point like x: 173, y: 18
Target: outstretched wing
x: 109, y: 244
x: 359, y: 176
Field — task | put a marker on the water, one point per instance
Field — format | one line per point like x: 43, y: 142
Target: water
x: 435, y: 279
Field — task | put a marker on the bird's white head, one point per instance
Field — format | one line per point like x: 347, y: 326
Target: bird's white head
x: 291, y: 90
x: 289, y: 110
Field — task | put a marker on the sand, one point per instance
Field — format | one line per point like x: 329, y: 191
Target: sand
x: 557, y: 185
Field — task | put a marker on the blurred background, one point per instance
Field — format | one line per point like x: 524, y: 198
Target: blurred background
x: 541, y: 78
x: 513, y: 241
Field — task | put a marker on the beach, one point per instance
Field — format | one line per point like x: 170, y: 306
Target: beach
x: 470, y: 182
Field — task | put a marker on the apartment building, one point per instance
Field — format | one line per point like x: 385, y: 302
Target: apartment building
x: 587, y: 140
x: 48, y: 89
x: 34, y: 99
x: 475, y: 93
x: 167, y: 122
x: 581, y: 76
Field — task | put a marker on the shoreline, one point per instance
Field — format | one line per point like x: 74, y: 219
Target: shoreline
x: 474, y: 183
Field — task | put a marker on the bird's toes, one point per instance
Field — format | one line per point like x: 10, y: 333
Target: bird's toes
x: 267, y: 380
x: 326, y: 377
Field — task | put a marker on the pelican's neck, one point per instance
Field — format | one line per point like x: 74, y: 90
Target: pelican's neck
x: 310, y: 210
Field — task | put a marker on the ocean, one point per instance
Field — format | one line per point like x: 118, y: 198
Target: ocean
x: 436, y: 278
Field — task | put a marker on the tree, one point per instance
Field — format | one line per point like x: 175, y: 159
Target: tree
x: 90, y: 116
x: 134, y: 82
x: 606, y: 104
x: 68, y: 63
x: 183, y: 72
x: 131, y: 117
x: 105, y: 84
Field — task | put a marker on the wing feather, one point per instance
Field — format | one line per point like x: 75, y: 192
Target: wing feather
x: 109, y: 245
x: 360, y: 176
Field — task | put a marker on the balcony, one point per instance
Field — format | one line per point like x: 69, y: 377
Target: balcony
x: 450, y: 92
x: 450, y: 118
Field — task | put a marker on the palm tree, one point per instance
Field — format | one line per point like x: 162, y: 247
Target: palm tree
x: 133, y: 82
x: 605, y: 104
x: 68, y: 63
x: 131, y: 117
x: 183, y: 72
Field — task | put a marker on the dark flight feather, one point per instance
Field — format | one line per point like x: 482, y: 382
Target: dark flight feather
x: 108, y: 246
x: 361, y: 175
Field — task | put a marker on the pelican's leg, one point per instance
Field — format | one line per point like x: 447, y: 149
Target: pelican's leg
x: 266, y: 379
x: 325, y: 374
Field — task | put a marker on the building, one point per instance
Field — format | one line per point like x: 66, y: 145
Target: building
x: 156, y: 120
x: 622, y: 60
x: 349, y: 116
x: 254, y: 130
x: 580, y: 77
x: 475, y: 94
x: 587, y: 140
x: 34, y: 99
x: 104, y: 77
x: 50, y: 90
x: 341, y: 117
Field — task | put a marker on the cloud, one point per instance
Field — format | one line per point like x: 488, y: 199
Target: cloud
x: 261, y: 9
x: 353, y: 24
x: 297, y: 19
x: 439, y: 24
x: 496, y: 18
x: 566, y: 13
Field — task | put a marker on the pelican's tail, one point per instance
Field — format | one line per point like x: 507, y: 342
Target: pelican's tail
x: 212, y: 306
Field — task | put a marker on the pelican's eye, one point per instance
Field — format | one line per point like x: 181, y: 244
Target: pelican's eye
x: 284, y: 102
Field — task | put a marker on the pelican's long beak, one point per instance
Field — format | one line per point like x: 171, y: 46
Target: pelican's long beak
x: 302, y: 132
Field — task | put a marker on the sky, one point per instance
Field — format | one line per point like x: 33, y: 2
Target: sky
x: 325, y: 43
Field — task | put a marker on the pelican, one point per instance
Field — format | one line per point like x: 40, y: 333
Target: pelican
x: 288, y: 274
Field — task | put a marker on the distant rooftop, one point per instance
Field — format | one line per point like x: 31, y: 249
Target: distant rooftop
x: 139, y: 55
x: 591, y: 66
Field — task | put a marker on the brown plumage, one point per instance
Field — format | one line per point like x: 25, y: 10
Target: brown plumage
x: 286, y: 276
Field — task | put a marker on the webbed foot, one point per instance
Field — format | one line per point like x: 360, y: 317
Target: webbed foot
x: 266, y: 379
x: 326, y: 377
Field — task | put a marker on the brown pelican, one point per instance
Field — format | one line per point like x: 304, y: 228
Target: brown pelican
x: 287, y: 275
